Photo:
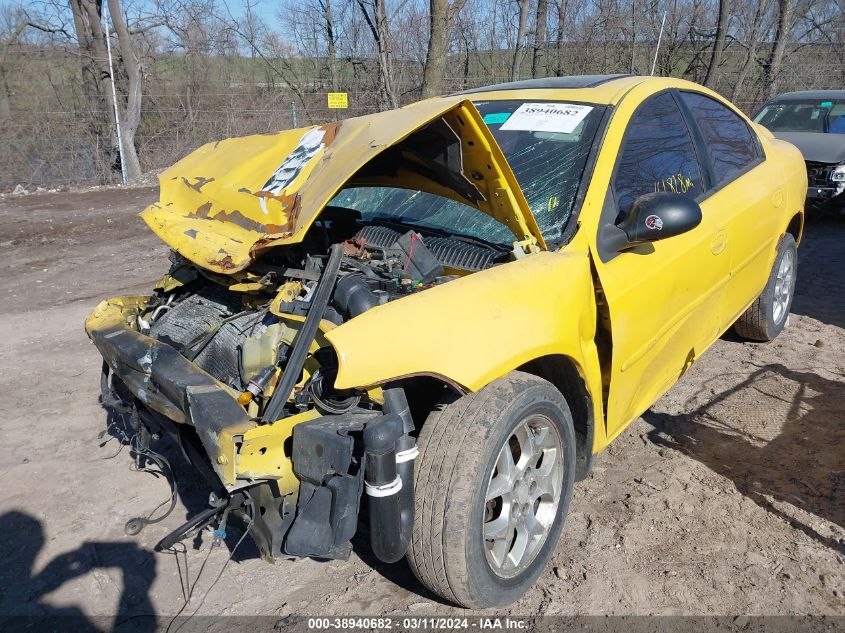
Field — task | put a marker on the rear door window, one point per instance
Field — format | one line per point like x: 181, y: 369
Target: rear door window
x: 658, y: 154
x: 731, y: 144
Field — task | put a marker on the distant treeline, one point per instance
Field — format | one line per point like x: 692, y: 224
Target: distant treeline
x: 191, y: 71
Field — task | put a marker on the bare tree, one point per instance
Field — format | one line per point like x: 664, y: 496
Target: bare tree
x: 209, y: 73
x: 633, y: 35
x: 827, y: 21
x: 754, y: 25
x: 441, y: 20
x: 674, y: 57
x: 15, y: 26
x: 87, y: 21
x: 467, y: 31
x: 91, y: 43
x: 719, y: 45
x: 331, y: 52
x: 771, y: 69
x: 375, y: 14
x: 129, y: 107
x: 541, y: 25
x: 522, y: 28
x: 190, y: 24
x: 561, y: 14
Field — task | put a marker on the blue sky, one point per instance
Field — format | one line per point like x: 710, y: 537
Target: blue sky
x: 265, y: 9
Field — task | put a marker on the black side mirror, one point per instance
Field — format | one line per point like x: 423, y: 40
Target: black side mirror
x: 656, y: 216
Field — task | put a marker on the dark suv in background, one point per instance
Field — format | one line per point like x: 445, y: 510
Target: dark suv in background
x: 813, y: 121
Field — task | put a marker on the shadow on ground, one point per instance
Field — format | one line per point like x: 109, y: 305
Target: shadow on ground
x: 803, y: 465
x: 398, y: 573
x: 24, y: 589
x: 820, y: 291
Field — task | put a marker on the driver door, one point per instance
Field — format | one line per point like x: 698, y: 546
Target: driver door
x: 665, y: 298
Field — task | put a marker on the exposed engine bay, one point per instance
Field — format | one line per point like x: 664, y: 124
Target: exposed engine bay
x: 259, y: 333
x: 234, y: 327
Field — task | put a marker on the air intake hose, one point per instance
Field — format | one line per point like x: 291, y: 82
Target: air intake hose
x: 389, y: 477
x: 353, y: 296
x: 383, y: 484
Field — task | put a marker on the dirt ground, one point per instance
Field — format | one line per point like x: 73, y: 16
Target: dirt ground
x: 727, y: 497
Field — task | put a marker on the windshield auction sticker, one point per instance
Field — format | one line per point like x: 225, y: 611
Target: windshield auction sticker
x: 546, y: 117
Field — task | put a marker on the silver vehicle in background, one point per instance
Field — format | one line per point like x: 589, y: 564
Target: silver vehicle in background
x: 813, y: 121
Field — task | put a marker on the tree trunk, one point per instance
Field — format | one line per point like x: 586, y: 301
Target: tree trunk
x: 442, y: 21
x: 377, y: 22
x: 633, y: 35
x: 719, y: 46
x: 524, y: 5
x: 466, y: 60
x: 751, y: 53
x: 440, y: 29
x: 130, y: 110
x: 8, y: 42
x: 384, y: 54
x: 771, y: 70
x: 331, y: 52
x: 542, y: 24
x: 744, y: 70
x: 94, y: 68
x: 561, y: 6
x: 5, y: 106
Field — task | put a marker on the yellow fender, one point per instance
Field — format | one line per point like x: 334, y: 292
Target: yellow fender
x: 473, y: 330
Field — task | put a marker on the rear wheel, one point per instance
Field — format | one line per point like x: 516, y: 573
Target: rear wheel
x: 767, y: 316
x: 493, y: 484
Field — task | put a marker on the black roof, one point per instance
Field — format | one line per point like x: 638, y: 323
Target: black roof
x: 574, y: 81
x: 811, y: 94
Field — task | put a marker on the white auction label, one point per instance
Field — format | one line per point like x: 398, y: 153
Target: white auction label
x: 546, y: 117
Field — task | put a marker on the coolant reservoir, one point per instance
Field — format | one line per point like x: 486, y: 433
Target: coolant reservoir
x: 260, y: 351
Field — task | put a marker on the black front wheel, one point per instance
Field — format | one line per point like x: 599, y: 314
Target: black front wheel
x: 493, y: 483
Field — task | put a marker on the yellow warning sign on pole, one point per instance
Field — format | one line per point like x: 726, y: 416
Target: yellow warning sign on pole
x: 338, y: 100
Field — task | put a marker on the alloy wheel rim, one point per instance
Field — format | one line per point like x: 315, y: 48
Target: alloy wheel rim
x: 783, y: 287
x: 522, y: 496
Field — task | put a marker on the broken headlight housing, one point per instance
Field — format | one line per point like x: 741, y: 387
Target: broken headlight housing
x: 838, y: 173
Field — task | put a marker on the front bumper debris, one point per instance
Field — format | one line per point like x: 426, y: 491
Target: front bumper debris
x: 299, y: 498
x: 824, y: 193
x: 168, y: 383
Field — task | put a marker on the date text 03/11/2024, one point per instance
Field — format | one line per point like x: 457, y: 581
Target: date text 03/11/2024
x: 417, y: 623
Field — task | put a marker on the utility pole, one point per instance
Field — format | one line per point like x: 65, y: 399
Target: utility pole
x: 659, y: 38
x: 114, y: 105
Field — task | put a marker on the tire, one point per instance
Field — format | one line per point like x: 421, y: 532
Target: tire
x: 767, y: 316
x: 460, y: 444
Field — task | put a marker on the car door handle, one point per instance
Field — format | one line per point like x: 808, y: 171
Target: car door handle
x: 718, y: 243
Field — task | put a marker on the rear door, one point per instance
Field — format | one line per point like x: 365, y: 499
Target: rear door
x: 746, y: 193
x: 665, y: 298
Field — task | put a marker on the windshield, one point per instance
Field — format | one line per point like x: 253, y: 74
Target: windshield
x: 806, y: 115
x: 546, y: 144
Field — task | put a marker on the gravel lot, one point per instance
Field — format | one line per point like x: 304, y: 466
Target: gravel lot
x: 727, y: 497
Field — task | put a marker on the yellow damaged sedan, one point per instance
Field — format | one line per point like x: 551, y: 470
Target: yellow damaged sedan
x: 429, y: 321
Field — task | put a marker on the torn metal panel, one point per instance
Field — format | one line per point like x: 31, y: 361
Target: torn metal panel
x: 228, y: 201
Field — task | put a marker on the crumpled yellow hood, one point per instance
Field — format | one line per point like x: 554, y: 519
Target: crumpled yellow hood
x: 223, y: 204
